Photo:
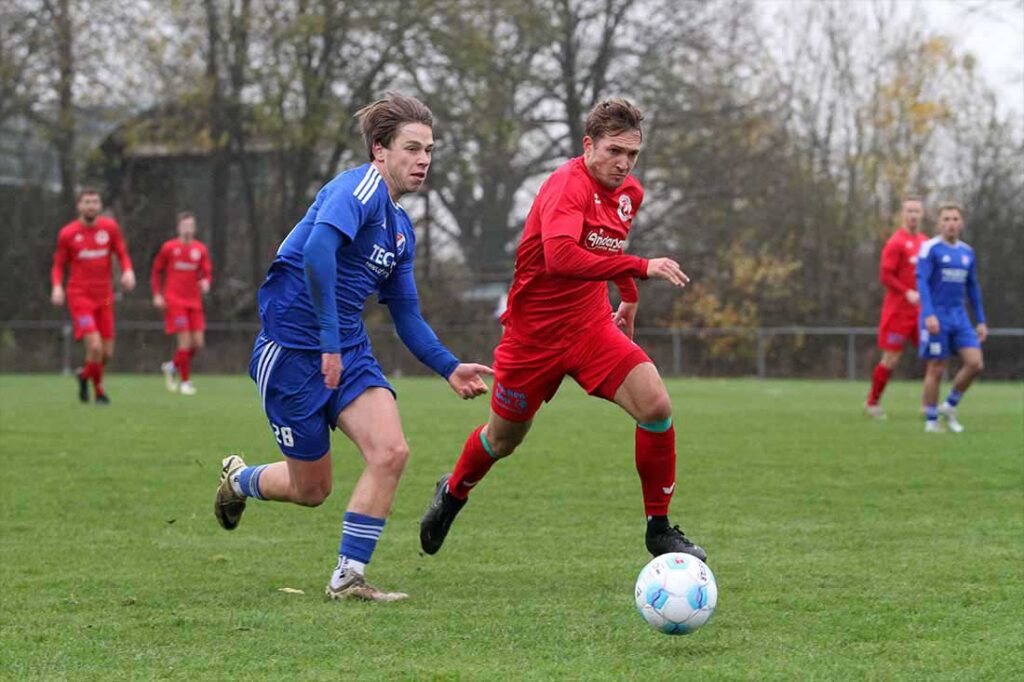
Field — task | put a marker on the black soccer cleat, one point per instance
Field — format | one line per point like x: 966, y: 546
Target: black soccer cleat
x: 439, y: 516
x: 102, y: 399
x: 83, y: 386
x: 670, y: 540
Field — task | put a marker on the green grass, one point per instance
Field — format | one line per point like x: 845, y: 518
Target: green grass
x: 843, y: 548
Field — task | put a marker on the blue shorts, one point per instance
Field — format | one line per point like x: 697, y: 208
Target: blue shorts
x: 955, y: 332
x: 300, y: 409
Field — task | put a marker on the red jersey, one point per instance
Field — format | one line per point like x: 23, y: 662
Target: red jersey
x: 899, y: 272
x: 572, y: 244
x: 186, y: 264
x: 88, y: 249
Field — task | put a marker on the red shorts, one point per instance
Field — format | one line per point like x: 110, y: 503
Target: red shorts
x: 180, y: 319
x: 896, y: 331
x: 88, y: 317
x: 525, y: 375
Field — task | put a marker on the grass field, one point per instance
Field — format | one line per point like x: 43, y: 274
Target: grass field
x: 843, y: 548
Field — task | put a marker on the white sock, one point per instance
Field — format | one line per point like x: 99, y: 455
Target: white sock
x: 346, y: 564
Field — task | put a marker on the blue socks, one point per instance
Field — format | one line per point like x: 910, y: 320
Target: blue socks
x: 954, y: 397
x: 931, y: 412
x: 248, y: 481
x: 359, y: 537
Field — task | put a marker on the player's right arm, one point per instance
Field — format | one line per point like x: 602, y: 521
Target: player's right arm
x: 156, y: 277
x: 924, y: 275
x: 61, y: 256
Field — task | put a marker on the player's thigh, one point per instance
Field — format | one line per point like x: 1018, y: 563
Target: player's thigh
x: 105, y: 323
x: 311, y: 476
x: 610, y: 365
x: 184, y: 340
x: 372, y: 422
x: 294, y: 399
x: 643, y: 394
x: 524, y: 378
x: 896, y: 332
x: 197, y: 325
x: 83, y: 318
x: 972, y: 358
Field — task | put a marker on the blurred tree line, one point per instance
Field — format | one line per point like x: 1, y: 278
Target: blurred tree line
x: 779, y: 138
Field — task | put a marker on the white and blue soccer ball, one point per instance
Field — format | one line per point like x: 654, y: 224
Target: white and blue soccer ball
x: 676, y: 593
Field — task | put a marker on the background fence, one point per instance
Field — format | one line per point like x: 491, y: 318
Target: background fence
x: 792, y: 351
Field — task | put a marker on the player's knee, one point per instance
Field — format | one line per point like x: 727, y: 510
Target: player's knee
x: 657, y: 409
x: 391, y: 459
x: 313, y: 494
x: 500, y: 446
x: 975, y: 365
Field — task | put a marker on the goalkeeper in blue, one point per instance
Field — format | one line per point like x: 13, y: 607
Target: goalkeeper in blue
x: 946, y: 272
x: 312, y: 361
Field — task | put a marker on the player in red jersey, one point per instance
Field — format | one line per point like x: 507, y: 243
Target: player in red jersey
x: 86, y: 246
x: 181, y: 275
x: 559, y: 322
x: 898, y: 324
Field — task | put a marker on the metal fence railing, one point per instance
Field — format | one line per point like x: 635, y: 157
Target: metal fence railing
x: 784, y: 351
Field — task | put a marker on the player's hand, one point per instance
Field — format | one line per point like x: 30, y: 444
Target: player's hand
x: 128, y: 280
x: 158, y: 302
x: 204, y: 286
x: 465, y: 380
x: 982, y: 330
x: 668, y: 270
x: 330, y: 367
x: 912, y: 297
x: 57, y: 296
x: 931, y: 323
x: 624, y: 318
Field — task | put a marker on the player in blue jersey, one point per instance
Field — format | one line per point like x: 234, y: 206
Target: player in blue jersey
x: 312, y: 361
x: 946, y: 271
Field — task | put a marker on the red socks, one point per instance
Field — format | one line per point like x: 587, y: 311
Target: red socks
x: 473, y: 465
x: 656, y: 464
x: 183, y: 362
x: 879, y: 378
x: 94, y: 371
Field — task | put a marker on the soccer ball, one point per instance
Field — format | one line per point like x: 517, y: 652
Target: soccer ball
x: 676, y: 593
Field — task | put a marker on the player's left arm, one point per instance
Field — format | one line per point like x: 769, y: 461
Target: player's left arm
x: 974, y: 294
x: 119, y: 247
x: 403, y: 304
x: 205, y: 272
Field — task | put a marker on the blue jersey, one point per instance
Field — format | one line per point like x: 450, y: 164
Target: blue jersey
x: 945, y: 274
x: 377, y: 258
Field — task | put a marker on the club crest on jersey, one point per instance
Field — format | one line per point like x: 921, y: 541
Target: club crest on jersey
x: 400, y: 243
x: 965, y: 260
x: 102, y: 237
x: 625, y: 210
x: 194, y: 254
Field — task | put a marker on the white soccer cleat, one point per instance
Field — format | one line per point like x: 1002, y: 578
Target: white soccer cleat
x: 354, y: 586
x: 170, y: 376
x: 931, y: 426
x: 187, y: 388
x: 875, y: 411
x: 948, y: 412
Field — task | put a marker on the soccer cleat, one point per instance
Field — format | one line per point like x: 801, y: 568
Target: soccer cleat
x: 439, y: 516
x: 227, y: 504
x: 932, y: 426
x: 948, y: 412
x: 673, y: 540
x: 875, y: 411
x: 354, y: 586
x: 83, y: 386
x: 102, y: 399
x: 170, y: 376
x: 187, y: 388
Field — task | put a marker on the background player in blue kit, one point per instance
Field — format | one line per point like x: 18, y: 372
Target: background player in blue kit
x: 946, y: 270
x: 312, y: 361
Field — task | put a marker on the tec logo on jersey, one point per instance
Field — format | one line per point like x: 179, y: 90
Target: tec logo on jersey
x: 625, y: 209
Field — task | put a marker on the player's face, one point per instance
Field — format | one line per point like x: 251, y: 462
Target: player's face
x: 187, y: 229
x: 89, y: 206
x: 950, y: 224
x: 407, y: 159
x: 610, y: 158
x: 913, y: 211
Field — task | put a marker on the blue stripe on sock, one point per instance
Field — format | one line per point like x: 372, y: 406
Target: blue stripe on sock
x: 359, y: 536
x: 656, y: 427
x: 931, y: 412
x: 954, y: 397
x: 249, y: 481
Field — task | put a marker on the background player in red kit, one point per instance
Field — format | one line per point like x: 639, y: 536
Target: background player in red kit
x: 186, y: 263
x: 898, y: 324
x: 86, y: 246
x: 559, y: 322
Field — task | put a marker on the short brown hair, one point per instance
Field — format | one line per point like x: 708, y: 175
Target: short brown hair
x: 951, y: 206
x: 86, y: 191
x: 611, y: 117
x: 380, y: 120
x: 912, y: 197
x: 184, y: 215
